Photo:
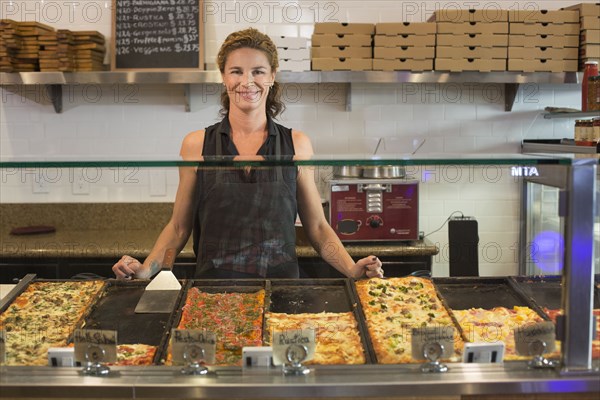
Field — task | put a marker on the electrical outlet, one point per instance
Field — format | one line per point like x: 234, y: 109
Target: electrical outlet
x: 80, y: 187
x: 39, y: 185
x: 79, y: 184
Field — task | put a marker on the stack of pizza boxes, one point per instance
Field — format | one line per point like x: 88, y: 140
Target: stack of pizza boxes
x: 543, y: 41
x: 589, y: 36
x: 408, y: 46
x: 342, y: 46
x: 26, y: 57
x: 471, y: 40
x: 293, y: 53
x: 10, y: 42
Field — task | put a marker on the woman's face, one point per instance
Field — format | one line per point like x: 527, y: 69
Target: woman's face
x: 247, y: 77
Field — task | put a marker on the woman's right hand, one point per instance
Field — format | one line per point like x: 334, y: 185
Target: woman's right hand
x: 127, y: 268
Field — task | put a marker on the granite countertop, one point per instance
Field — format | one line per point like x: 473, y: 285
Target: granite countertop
x: 138, y: 243
x: 109, y: 230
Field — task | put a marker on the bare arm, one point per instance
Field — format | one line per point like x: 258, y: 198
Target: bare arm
x: 177, y: 231
x: 317, y: 229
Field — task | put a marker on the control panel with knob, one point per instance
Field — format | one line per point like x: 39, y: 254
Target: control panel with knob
x: 374, y: 221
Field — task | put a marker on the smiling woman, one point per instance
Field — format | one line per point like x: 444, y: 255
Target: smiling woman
x: 243, y: 220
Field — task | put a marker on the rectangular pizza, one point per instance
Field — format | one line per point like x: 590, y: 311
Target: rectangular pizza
x: 393, y: 307
x: 553, y: 313
x: 496, y: 325
x: 235, y: 318
x: 43, y: 316
x: 336, y: 334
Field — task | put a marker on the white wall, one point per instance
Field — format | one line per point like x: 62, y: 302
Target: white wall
x: 148, y: 121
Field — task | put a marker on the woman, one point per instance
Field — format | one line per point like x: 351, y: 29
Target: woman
x: 243, y: 220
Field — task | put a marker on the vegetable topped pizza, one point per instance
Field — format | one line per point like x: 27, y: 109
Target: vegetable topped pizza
x: 43, y: 316
x: 235, y: 318
x: 393, y: 307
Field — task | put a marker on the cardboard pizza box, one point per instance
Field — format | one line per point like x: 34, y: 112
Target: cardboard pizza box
x: 294, y: 65
x: 590, y: 22
x: 404, y: 40
x: 288, y: 42
x: 518, y: 28
x: 471, y: 52
x: 590, y: 36
x: 480, y: 65
x: 585, y: 9
x: 470, y: 15
x: 344, y: 28
x: 590, y: 51
x: 329, y: 39
x: 542, y: 65
x: 341, y: 51
x: 472, y: 27
x: 539, y: 16
x: 294, y: 54
x: 391, y: 53
x: 548, y: 53
x: 556, y: 41
x: 342, y: 64
x: 402, y: 65
x: 404, y: 28
x: 473, y: 39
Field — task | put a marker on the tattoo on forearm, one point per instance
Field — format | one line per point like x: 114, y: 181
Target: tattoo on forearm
x: 154, y: 267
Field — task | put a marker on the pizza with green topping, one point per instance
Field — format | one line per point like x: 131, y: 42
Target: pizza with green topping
x: 393, y: 307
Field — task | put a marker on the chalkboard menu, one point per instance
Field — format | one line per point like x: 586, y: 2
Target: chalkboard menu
x: 157, y: 34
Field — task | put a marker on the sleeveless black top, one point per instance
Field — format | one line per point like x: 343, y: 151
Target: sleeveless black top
x: 244, y: 220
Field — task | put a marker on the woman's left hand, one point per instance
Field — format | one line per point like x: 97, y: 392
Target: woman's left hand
x: 370, y: 266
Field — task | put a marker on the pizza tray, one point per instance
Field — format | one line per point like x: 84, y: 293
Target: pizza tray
x: 115, y: 310
x: 16, y: 291
x: 316, y: 296
x: 31, y: 278
x: 463, y: 293
x: 211, y: 286
x: 546, y: 291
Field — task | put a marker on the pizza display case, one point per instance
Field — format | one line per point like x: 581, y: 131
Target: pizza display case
x: 576, y: 373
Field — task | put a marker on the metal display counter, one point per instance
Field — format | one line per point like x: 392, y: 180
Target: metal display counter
x: 323, y: 382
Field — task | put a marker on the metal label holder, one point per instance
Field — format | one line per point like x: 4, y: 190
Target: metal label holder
x: 432, y: 351
x: 94, y: 355
x: 295, y: 354
x: 194, y: 355
x: 537, y: 348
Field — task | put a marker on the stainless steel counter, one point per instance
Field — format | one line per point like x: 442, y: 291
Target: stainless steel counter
x: 328, y: 382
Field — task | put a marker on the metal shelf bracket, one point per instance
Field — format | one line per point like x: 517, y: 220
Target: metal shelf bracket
x: 55, y: 94
x: 510, y: 94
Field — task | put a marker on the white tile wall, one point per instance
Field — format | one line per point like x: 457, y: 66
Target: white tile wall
x: 104, y: 121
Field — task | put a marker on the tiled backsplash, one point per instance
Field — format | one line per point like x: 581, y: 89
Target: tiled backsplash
x: 149, y: 121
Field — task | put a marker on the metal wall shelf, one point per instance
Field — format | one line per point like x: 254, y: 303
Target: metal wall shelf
x: 511, y: 80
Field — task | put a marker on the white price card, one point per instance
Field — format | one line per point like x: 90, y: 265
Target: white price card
x: 441, y: 334
x: 2, y: 346
x: 535, y: 339
x: 193, y: 346
x: 293, y: 346
x: 95, y: 346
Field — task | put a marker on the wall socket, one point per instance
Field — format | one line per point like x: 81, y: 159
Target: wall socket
x: 39, y: 186
x: 79, y: 184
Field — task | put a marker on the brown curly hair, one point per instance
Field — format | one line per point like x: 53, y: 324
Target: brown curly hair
x: 253, y: 39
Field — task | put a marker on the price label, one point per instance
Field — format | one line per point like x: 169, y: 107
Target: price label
x: 535, y: 339
x: 422, y: 339
x: 193, y: 346
x: 293, y: 346
x: 2, y: 347
x: 95, y: 346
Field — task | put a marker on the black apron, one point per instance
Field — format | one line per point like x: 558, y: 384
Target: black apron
x: 244, y: 222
